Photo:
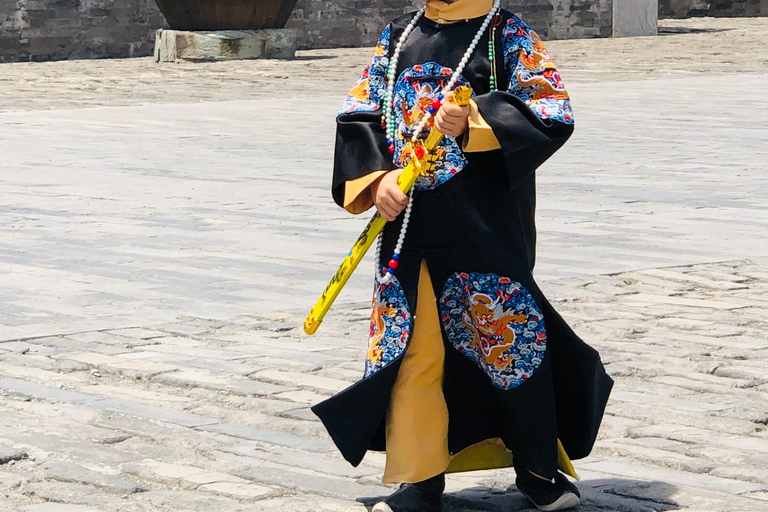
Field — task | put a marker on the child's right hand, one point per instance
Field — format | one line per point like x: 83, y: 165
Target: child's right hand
x: 388, y: 197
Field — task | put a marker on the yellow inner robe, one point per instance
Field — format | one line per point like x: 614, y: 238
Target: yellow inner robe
x: 417, y: 418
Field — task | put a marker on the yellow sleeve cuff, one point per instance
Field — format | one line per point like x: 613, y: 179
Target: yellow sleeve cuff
x: 357, y: 193
x: 480, y: 136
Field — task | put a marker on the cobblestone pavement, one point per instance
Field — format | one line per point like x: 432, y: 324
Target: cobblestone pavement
x: 157, y: 261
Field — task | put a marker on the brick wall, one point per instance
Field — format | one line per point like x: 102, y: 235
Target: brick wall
x: 69, y: 29
x: 326, y: 23
x: 60, y: 29
x: 686, y: 8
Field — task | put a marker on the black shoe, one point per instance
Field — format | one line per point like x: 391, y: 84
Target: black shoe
x: 546, y: 495
x: 426, y: 496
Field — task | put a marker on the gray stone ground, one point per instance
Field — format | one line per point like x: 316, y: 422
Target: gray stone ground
x: 160, y: 246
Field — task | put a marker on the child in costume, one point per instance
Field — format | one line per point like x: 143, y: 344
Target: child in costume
x: 469, y: 367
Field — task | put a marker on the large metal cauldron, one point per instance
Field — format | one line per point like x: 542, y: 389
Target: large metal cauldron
x: 226, y: 14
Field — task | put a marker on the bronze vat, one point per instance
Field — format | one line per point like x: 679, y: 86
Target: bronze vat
x: 226, y: 14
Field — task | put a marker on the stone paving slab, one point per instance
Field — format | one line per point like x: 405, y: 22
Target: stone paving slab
x: 73, y: 473
x: 57, y: 507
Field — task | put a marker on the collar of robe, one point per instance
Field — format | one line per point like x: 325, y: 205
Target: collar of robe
x: 443, y: 12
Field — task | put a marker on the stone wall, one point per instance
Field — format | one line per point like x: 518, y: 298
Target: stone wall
x: 61, y: 29
x: 326, y: 23
x: 70, y: 29
x: 687, y: 8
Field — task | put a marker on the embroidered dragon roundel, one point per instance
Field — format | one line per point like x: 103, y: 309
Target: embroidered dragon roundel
x: 415, y: 90
x: 496, y: 323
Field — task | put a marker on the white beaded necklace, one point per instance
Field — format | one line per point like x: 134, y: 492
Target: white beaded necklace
x: 391, y: 125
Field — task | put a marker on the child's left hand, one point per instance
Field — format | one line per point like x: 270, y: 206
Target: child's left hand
x: 452, y: 119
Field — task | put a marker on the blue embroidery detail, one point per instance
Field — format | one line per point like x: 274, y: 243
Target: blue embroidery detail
x: 369, y: 92
x: 391, y: 326
x: 496, y: 323
x: 532, y: 74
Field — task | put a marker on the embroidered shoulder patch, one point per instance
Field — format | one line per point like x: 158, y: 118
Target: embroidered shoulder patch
x: 533, y: 76
x: 390, y: 326
x: 369, y: 91
x: 496, y: 323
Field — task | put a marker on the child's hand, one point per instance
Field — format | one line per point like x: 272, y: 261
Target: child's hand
x: 452, y: 119
x: 388, y: 197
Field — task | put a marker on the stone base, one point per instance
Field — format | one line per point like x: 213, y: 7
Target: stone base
x: 635, y: 18
x: 178, y: 45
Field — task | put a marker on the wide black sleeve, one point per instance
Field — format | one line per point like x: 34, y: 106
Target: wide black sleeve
x: 533, y: 118
x: 361, y: 142
x: 526, y: 140
x: 361, y: 149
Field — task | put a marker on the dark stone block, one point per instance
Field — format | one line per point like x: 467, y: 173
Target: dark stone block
x: 10, y: 454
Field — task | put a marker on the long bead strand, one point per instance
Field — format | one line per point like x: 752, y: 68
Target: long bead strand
x: 391, y: 126
x: 389, y: 106
x: 492, y: 58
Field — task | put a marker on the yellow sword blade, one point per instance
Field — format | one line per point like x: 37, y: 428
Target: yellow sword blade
x: 414, y: 169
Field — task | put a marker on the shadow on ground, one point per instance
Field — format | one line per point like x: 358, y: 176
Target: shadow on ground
x: 314, y: 57
x: 666, y: 31
x: 613, y: 494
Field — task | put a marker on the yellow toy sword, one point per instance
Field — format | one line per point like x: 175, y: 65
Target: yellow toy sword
x: 415, y: 168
